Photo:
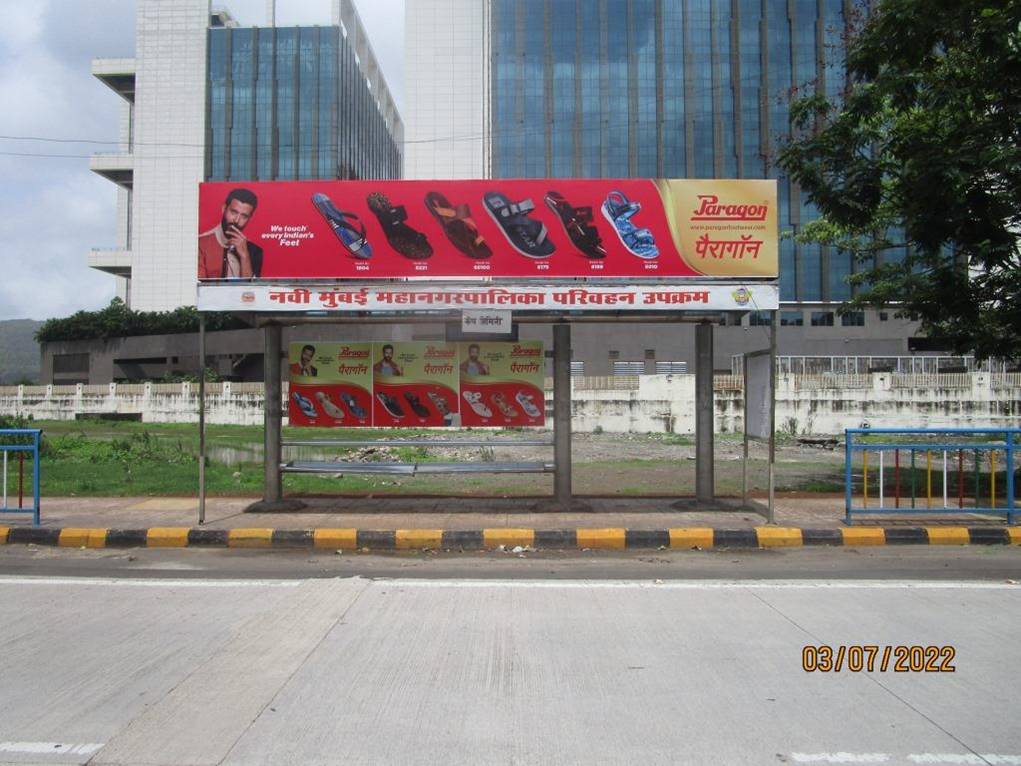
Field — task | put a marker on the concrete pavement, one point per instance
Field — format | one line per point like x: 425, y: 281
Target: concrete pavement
x: 353, y: 671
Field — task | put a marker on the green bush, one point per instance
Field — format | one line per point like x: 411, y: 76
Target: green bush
x: 117, y: 320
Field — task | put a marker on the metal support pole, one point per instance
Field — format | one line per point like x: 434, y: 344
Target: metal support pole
x: 562, y: 413
x: 272, y: 491
x: 704, y: 415
x: 772, y: 416
x: 202, y: 418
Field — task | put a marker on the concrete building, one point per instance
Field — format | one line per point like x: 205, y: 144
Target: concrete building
x: 643, y: 88
x: 207, y: 99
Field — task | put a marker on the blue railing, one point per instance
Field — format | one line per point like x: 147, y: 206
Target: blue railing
x: 939, y: 471
x: 30, y: 439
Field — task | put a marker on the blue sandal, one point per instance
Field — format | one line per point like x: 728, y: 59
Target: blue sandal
x: 617, y: 209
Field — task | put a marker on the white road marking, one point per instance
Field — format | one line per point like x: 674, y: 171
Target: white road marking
x: 706, y: 584
x: 50, y: 748
x: 840, y: 757
x: 936, y: 759
x: 150, y: 583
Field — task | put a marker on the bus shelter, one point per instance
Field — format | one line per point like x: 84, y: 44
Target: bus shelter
x: 483, y: 255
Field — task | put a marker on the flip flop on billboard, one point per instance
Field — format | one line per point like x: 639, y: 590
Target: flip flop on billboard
x: 618, y: 210
x: 329, y: 407
x: 526, y: 235
x: 474, y: 399
x: 347, y: 226
x: 305, y: 405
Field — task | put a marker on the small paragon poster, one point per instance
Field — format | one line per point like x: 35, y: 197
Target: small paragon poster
x: 415, y: 384
x: 331, y: 384
x: 502, y: 384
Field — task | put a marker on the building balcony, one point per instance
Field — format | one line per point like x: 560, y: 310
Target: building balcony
x: 114, y: 261
x: 118, y: 167
x: 116, y: 74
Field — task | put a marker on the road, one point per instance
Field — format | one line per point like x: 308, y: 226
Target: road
x: 182, y: 659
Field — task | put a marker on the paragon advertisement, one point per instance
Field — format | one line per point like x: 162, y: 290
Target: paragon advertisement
x: 331, y: 384
x: 417, y: 384
x: 514, y: 230
x: 414, y: 384
x: 501, y: 384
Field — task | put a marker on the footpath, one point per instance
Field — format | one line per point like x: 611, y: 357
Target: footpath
x: 409, y: 523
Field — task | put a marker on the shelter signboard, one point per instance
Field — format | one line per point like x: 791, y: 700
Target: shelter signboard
x: 511, y: 231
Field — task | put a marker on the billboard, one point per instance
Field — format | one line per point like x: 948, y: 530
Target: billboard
x: 501, y: 230
x: 416, y: 384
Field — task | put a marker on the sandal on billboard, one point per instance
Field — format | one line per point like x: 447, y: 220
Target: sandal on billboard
x: 329, y: 407
x: 526, y: 235
x: 305, y: 405
x: 402, y: 238
x: 505, y: 407
x: 416, y: 405
x: 352, y: 405
x: 527, y: 403
x: 474, y: 399
x: 347, y: 226
x: 578, y: 224
x: 458, y: 225
x: 390, y: 405
x: 618, y: 210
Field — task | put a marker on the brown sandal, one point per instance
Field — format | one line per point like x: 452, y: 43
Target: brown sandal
x: 458, y: 225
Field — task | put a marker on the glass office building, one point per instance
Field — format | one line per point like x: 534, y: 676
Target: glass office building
x: 667, y: 88
x: 291, y: 103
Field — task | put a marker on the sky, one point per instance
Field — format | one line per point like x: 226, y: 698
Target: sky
x: 53, y: 209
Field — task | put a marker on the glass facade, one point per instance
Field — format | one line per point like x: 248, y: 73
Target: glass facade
x: 291, y: 103
x: 671, y: 89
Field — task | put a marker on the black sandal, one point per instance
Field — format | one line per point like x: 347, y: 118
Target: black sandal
x: 526, y: 235
x: 402, y: 238
x: 578, y: 223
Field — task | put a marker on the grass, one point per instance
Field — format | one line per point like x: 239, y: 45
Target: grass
x: 97, y: 458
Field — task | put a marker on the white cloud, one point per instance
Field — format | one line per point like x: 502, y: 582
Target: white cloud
x: 54, y: 210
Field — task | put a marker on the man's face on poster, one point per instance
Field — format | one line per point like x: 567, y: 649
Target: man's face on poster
x: 388, y: 353
x: 236, y: 213
x: 473, y: 353
x: 306, y: 356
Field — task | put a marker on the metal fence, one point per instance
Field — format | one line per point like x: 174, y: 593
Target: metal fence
x: 926, y: 470
x: 20, y: 442
x: 863, y: 365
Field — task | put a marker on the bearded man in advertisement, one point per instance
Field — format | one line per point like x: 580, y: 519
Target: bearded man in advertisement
x: 224, y: 251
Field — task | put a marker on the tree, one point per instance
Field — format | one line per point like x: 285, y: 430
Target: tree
x: 922, y: 151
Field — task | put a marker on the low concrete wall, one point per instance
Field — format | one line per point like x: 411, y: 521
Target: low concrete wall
x: 648, y: 403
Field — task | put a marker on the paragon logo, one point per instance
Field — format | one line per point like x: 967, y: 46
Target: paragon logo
x: 439, y: 353
x: 525, y: 351
x: 353, y: 353
x: 710, y: 209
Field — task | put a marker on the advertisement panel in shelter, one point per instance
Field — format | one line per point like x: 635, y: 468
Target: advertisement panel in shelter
x: 514, y: 230
x: 415, y: 384
x: 331, y: 384
x: 501, y: 384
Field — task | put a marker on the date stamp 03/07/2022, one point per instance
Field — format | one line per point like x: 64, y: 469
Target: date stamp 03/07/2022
x: 869, y: 658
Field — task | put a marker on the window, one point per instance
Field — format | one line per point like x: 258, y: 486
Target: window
x: 650, y: 353
x: 629, y: 368
x: 883, y: 316
x: 577, y: 369
x: 792, y: 319
x: 760, y: 319
x: 822, y: 319
x: 613, y: 355
x: 671, y: 368
x: 853, y: 319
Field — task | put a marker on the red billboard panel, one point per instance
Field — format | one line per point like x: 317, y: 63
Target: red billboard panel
x: 515, y: 230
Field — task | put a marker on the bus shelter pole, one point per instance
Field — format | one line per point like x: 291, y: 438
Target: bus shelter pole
x: 704, y: 415
x: 272, y: 491
x: 562, y: 413
x: 202, y: 418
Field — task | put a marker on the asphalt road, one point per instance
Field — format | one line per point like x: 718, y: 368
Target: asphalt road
x: 699, y: 661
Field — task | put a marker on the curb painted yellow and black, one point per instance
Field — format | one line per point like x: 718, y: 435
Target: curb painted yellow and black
x: 582, y: 538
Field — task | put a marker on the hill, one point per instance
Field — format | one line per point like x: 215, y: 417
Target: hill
x: 19, y: 353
